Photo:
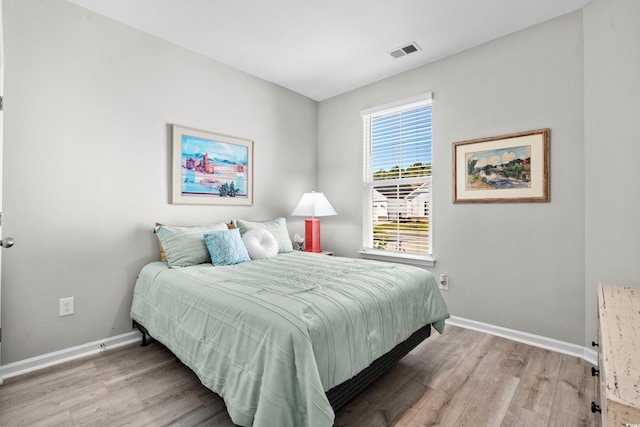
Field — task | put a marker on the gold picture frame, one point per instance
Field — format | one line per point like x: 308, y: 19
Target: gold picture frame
x: 502, y: 169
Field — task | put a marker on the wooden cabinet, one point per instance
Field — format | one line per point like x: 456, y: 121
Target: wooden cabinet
x: 619, y: 354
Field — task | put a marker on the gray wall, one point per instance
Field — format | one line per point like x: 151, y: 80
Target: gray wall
x: 86, y: 163
x: 612, y: 147
x: 519, y: 266
x: 86, y: 166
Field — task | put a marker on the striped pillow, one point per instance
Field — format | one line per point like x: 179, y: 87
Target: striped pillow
x: 185, y: 246
x: 163, y: 257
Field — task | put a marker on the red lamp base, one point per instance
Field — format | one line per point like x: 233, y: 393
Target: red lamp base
x: 312, y: 235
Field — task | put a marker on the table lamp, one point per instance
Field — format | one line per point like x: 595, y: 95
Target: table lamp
x: 313, y: 205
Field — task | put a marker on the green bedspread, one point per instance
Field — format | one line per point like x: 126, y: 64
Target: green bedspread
x: 271, y: 336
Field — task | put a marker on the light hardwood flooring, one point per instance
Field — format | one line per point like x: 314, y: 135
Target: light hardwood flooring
x: 460, y: 378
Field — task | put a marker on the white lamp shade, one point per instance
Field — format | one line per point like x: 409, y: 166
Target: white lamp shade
x: 313, y: 204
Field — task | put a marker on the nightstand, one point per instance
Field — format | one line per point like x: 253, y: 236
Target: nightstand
x: 322, y: 253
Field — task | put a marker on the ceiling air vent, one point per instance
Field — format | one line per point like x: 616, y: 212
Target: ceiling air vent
x: 405, y: 50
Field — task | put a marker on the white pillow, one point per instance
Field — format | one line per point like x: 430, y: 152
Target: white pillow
x: 277, y: 227
x: 260, y: 243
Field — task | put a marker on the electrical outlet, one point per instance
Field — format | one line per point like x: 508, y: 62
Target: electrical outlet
x: 444, y: 282
x: 66, y: 306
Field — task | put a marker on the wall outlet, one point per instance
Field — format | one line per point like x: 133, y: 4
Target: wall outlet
x: 444, y: 282
x: 66, y: 306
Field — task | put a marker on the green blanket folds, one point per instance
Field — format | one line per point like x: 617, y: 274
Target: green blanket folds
x: 271, y: 336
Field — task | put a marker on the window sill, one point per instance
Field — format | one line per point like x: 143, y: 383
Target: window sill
x: 427, y: 261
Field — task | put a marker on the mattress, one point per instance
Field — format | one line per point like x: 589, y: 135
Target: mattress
x: 271, y: 336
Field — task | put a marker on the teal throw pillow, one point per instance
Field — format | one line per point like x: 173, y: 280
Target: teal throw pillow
x: 226, y: 247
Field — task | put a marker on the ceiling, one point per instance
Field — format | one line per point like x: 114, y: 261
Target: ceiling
x: 323, y: 48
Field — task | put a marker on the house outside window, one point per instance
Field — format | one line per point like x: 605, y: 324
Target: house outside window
x: 397, y: 180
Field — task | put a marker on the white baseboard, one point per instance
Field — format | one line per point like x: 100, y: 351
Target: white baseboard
x: 50, y: 359
x: 44, y: 361
x: 585, y: 353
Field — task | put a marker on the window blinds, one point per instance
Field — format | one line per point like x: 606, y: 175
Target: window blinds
x: 397, y: 178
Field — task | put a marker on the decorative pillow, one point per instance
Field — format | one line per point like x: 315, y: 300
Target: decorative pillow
x: 163, y: 257
x: 184, y: 246
x: 260, y: 244
x: 226, y: 247
x: 277, y: 227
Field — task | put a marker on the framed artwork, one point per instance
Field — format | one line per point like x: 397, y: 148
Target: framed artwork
x: 502, y: 169
x: 211, y: 169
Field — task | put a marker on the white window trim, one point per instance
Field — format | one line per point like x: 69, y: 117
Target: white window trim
x: 422, y: 260
x: 428, y: 261
x: 403, y: 104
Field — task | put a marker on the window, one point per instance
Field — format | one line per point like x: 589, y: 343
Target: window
x: 397, y: 179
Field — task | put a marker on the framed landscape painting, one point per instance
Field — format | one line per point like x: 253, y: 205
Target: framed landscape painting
x: 502, y: 169
x: 211, y: 169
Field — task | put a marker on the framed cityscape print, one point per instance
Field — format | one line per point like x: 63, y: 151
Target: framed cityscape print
x: 210, y: 168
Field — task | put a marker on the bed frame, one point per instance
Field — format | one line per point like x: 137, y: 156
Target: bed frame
x: 342, y: 393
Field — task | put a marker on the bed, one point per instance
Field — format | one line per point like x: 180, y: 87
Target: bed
x: 286, y: 340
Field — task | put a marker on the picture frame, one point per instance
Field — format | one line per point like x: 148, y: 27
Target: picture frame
x: 210, y: 168
x: 502, y: 169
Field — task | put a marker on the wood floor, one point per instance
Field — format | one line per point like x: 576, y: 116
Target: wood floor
x: 461, y: 378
